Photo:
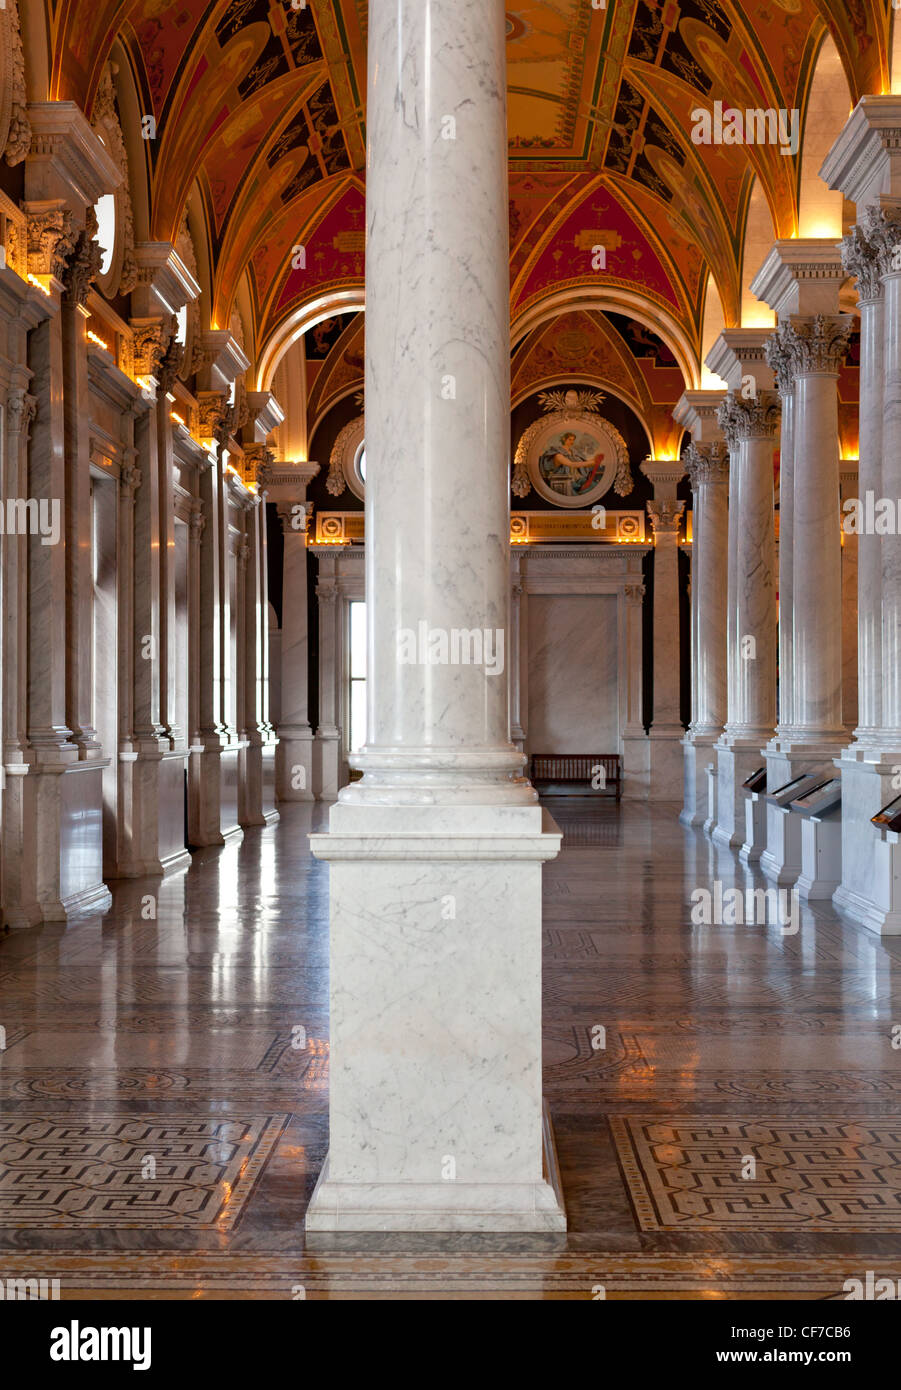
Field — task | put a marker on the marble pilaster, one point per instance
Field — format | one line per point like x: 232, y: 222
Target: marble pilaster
x: 666, y: 730
x: 286, y: 484
x: 708, y: 468
x: 435, y: 855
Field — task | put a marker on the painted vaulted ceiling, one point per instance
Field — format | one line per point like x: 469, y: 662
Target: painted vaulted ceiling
x: 260, y: 106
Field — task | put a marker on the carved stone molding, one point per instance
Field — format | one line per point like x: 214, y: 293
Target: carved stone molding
x: 83, y: 265
x: 779, y: 356
x: 290, y: 513
x: 665, y: 517
x: 196, y: 523
x: 327, y: 590
x: 15, y: 127
x: 51, y: 241
x: 341, y: 472
x: 242, y: 553
x: 755, y: 418
x: 212, y: 414
x: 130, y: 479
x: 816, y: 344
x: 151, y: 341
x: 21, y: 409
x: 706, y: 463
x: 881, y: 228
x: 634, y: 593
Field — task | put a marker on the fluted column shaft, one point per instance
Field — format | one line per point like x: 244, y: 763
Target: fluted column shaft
x: 890, y: 544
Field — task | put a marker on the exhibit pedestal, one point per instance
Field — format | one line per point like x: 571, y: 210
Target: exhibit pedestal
x: 869, y: 779
x: 821, y: 856
x: 435, y: 964
x: 697, y: 752
x: 786, y: 760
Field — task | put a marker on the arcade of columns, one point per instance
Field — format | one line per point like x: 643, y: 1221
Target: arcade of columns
x: 783, y: 392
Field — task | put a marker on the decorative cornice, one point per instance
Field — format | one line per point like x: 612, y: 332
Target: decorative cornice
x: 755, y: 418
x: 67, y: 158
x: 15, y: 127
x: 706, y: 463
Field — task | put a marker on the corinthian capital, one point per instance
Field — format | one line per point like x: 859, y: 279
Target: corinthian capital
x: 51, y: 240
x: 706, y: 463
x: 816, y: 344
x: 882, y: 233
x: 861, y: 257
x: 779, y: 356
x: 755, y: 418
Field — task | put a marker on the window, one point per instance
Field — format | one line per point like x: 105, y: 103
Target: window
x: 357, y: 695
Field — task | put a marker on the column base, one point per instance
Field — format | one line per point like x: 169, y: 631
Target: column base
x: 636, y: 767
x: 871, y: 863
x: 755, y: 829
x: 326, y: 759
x: 736, y: 758
x: 294, y: 764
x: 435, y: 1105
x: 667, y: 763
x: 527, y: 1207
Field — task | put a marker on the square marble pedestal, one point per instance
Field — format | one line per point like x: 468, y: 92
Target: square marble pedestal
x: 435, y: 1080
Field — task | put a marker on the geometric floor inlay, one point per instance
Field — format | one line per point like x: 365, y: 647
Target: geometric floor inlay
x: 708, y: 1174
x: 132, y: 1171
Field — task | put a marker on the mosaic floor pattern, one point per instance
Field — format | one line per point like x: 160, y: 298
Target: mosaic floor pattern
x: 164, y: 1088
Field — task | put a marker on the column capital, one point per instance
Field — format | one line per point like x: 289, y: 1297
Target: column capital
x: 814, y: 345
x: 867, y: 261
x: 634, y: 594
x: 21, y: 410
x: 881, y: 227
x: 665, y: 517
x: 51, y: 237
x: 295, y: 517
x: 707, y: 463
x: 755, y: 418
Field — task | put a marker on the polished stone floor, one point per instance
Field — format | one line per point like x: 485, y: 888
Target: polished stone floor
x: 725, y: 1098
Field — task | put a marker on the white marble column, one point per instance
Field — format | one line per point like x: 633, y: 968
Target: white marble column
x: 849, y: 482
x: 863, y: 164
x: 286, y: 485
x: 708, y: 468
x: 780, y: 359
x: 666, y: 731
x: 435, y: 1102
x: 750, y: 427
x: 517, y: 617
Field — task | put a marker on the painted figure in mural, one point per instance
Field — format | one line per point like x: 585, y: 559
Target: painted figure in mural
x: 570, y: 466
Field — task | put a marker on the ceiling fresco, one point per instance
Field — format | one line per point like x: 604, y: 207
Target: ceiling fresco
x: 259, y: 107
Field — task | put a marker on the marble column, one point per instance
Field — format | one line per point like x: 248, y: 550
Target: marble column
x: 518, y: 615
x: 666, y: 731
x: 286, y: 485
x: 708, y: 468
x: 749, y: 425
x: 780, y: 360
x: 850, y: 488
x: 435, y: 855
x: 863, y: 164
x: 256, y: 783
